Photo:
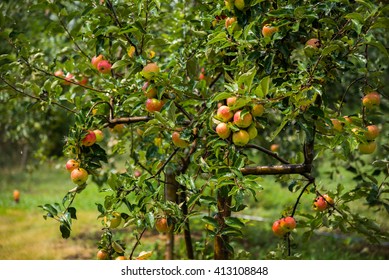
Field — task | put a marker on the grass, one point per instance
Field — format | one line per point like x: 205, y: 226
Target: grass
x: 24, y: 234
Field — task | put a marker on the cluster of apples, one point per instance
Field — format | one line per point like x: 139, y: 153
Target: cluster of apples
x: 101, y: 64
x: 240, y: 123
x: 78, y: 174
x: 283, y: 226
x: 153, y: 104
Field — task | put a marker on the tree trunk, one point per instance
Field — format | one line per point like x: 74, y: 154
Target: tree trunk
x: 221, y: 251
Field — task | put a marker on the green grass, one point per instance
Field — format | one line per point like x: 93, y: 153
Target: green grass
x: 24, y: 234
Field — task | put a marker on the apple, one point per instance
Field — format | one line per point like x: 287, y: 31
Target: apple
x: 96, y: 59
x: 240, y: 138
x: 277, y: 229
x: 230, y: 21
x: 231, y: 101
x: 313, y: 43
x: 131, y: 51
x: 102, y: 255
x: 372, y: 132
x: 154, y: 105
x: 371, y: 100
x: 348, y: 119
x: 288, y: 223
x: 59, y: 73
x: 274, y: 148
x: 72, y: 164
x: 201, y: 76
x: 163, y: 225
x: 367, y: 148
x: 120, y: 258
x: 79, y: 176
x: 83, y: 81
x: 99, y: 135
x: 137, y: 173
x: 320, y: 204
x: 16, y: 195
x: 104, y: 67
x: 337, y: 125
x: 268, y: 30
x: 149, y: 90
x: 118, y: 128
x: 239, y: 4
x: 252, y: 131
x: 150, y: 71
x: 223, y: 130
x: 89, y: 139
x: 177, y: 141
x: 328, y: 199
x: 257, y: 110
x: 114, y: 220
x: 224, y: 113
x: 241, y: 120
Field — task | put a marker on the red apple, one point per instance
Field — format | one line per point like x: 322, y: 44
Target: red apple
x: 241, y: 120
x: 99, y: 135
x: 372, y: 132
x: 89, y: 139
x: 163, y: 226
x: 288, y: 223
x: 268, y: 30
x: 68, y: 79
x: 79, y: 176
x: 104, y: 67
x: 16, y: 195
x: 371, y: 100
x: 72, y: 164
x: 154, y: 105
x: 231, y: 101
x: 224, y: 113
x: 59, y: 73
x: 277, y: 229
x: 319, y: 204
x: 102, y: 255
x: 96, y: 59
x: 313, y: 43
x: 223, y: 130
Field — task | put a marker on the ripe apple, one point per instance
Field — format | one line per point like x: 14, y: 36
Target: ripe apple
x: 102, y: 255
x: 150, y: 71
x: 252, y: 131
x: 277, y: 229
x: 16, y: 195
x: 288, y: 223
x: 239, y: 4
x: 367, y: 148
x: 240, y: 138
x: 313, y: 43
x: 241, y: 120
x: 114, y: 220
x: 154, y: 105
x: 99, y: 135
x: 371, y: 100
x: 59, y: 73
x: 224, y: 113
x: 230, y: 21
x: 79, y: 176
x: 149, y: 90
x: 223, y: 130
x: 274, y: 148
x: 337, y: 125
x: 163, y: 226
x: 68, y: 79
x: 348, y: 119
x: 83, y: 81
x: 372, y: 132
x: 120, y: 258
x: 104, y: 67
x: 329, y: 199
x: 72, y: 164
x: 257, y: 110
x: 137, y: 173
x: 268, y: 30
x: 177, y: 141
x: 96, y: 59
x: 319, y: 204
x: 231, y: 101
x: 89, y: 139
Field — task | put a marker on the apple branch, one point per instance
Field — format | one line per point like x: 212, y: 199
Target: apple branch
x: 277, y: 169
x: 72, y: 38
x: 268, y: 152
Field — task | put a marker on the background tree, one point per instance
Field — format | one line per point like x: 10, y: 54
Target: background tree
x: 190, y: 96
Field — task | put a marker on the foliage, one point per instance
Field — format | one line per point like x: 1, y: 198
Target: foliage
x: 202, y: 62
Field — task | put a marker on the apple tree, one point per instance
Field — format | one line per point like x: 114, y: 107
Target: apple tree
x: 174, y: 107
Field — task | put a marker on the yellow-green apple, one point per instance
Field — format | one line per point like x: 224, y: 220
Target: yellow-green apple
x: 277, y: 229
x: 371, y: 100
x: 268, y: 30
x: 118, y: 128
x: 367, y: 148
x: 72, y: 164
x: 252, y: 131
x: 89, y: 139
x: 337, y: 125
x: 319, y: 204
x: 114, y: 220
x: 104, y: 67
x: 99, y: 135
x: 257, y: 110
x: 16, y: 195
x: 154, y: 105
x: 149, y: 90
x: 288, y: 223
x: 240, y: 138
x: 102, y: 255
x: 79, y: 176
x: 223, y: 130
x: 313, y: 43
x: 372, y: 132
x: 150, y: 71
x: 224, y: 113
x: 162, y: 225
x: 96, y: 59
x: 242, y: 120
x: 231, y: 101
x: 239, y: 4
x: 177, y: 141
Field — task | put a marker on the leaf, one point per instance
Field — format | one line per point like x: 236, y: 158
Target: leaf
x: 65, y: 230
x: 120, y: 63
x: 246, y: 79
x: 222, y: 36
x: 379, y: 46
x: 234, y: 222
x: 329, y: 49
x: 72, y: 212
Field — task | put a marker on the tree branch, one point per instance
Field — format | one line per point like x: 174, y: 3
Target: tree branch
x: 277, y: 169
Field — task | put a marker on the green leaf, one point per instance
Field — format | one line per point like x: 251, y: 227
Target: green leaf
x: 234, y: 222
x: 219, y: 37
x: 65, y: 230
x: 120, y: 63
x: 379, y: 46
x: 247, y: 78
x: 329, y: 49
